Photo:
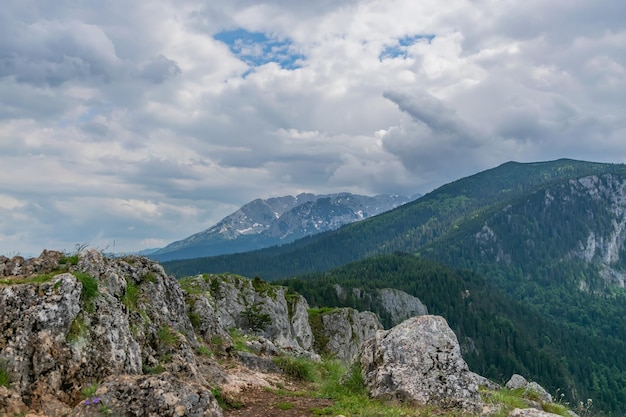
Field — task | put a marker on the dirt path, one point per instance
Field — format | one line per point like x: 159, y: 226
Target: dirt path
x: 257, y: 402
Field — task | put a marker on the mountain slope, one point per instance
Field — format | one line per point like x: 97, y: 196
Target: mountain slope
x: 262, y: 223
x: 406, y: 228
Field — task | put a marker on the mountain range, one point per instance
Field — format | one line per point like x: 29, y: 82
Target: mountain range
x: 525, y: 260
x: 266, y: 222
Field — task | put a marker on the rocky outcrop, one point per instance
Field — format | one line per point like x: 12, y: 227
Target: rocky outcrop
x: 341, y: 332
x: 85, y: 318
x: 149, y: 395
x: 400, y: 305
x: 419, y: 361
x: 393, y: 306
x: 222, y: 302
x: 531, y: 389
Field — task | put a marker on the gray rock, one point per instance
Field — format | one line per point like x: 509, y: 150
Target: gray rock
x: 516, y: 381
x: 530, y: 412
x: 419, y: 361
x: 57, y: 337
x: 344, y: 330
x: 400, y: 305
x: 531, y: 389
x: 151, y: 395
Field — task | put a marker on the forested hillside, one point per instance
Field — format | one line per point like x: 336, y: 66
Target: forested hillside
x: 406, y: 228
x: 500, y: 334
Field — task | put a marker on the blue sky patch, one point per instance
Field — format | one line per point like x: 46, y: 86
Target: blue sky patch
x: 256, y: 48
x: 399, y: 49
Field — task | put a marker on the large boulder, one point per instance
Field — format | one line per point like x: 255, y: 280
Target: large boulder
x: 419, y: 361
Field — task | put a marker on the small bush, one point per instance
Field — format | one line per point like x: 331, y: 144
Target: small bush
x: 256, y: 320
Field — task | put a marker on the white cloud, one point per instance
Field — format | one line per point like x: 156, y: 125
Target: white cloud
x: 130, y: 123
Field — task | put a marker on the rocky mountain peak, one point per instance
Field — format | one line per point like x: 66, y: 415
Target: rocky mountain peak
x: 278, y: 220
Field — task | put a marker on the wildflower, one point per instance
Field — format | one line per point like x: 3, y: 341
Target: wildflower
x: 95, y: 400
x: 87, y: 401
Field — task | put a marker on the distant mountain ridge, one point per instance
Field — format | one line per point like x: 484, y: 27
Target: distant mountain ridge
x: 266, y: 222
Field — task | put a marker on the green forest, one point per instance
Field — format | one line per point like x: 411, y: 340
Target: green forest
x: 499, y: 333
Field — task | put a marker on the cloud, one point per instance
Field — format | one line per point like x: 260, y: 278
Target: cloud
x: 145, y: 122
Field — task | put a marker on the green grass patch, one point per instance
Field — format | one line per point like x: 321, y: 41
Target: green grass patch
x: 556, y: 408
x: 191, y: 286
x: 131, y: 296
x: 90, y: 285
x: 150, y: 277
x: 69, y: 260
x: 284, y: 405
x: 320, y: 340
x: 168, y: 335
x: 297, y: 368
x: 239, y: 340
x: 195, y: 319
x: 153, y: 370
x: 5, y: 375
x: 35, y: 279
x: 204, y: 351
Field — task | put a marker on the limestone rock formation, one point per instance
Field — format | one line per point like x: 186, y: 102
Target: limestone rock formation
x: 400, y: 305
x: 393, y: 305
x: 149, y: 395
x: 419, y: 361
x: 84, y: 318
x: 341, y: 332
x: 222, y: 302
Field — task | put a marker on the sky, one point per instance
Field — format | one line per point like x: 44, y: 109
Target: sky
x: 129, y: 125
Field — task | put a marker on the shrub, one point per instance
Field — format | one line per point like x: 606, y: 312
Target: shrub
x: 256, y: 320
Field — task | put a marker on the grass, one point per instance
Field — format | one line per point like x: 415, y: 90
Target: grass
x: 195, y: 319
x: 90, y: 285
x: 297, y: 368
x: 69, y: 259
x: 167, y: 335
x: 5, y: 375
x: 284, y: 405
x: 36, y: 279
x: 131, y: 296
x: 239, y: 340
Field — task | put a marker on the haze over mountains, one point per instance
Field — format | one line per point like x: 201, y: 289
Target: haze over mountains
x: 279, y: 220
x: 539, y: 288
